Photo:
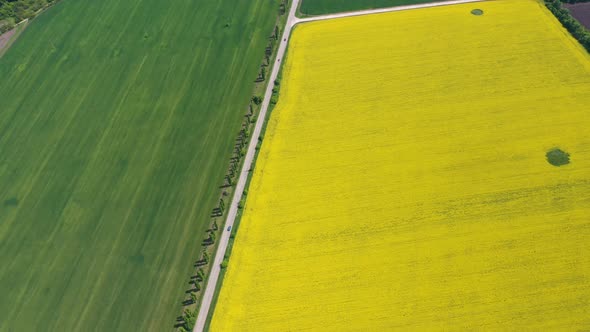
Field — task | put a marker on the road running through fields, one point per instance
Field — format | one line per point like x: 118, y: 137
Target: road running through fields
x: 292, y: 20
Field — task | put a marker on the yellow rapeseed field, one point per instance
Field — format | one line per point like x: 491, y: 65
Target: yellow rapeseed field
x: 403, y: 183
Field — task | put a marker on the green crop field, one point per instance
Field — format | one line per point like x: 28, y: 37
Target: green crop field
x: 117, y: 122
x: 320, y: 7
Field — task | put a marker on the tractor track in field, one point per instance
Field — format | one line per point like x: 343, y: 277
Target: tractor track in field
x: 292, y: 20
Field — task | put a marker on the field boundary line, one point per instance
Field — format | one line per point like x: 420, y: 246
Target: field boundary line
x: 292, y: 20
x: 383, y: 10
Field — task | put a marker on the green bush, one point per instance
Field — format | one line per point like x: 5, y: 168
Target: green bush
x: 558, y: 157
x: 6, y: 27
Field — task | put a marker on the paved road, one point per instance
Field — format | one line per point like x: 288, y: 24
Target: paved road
x: 233, y: 209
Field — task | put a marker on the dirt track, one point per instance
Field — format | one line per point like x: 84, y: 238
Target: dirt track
x: 581, y: 12
x: 4, y: 38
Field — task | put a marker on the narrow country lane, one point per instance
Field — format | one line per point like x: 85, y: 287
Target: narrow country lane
x: 233, y: 209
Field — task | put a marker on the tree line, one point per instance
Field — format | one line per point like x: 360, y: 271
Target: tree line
x: 186, y: 321
x: 569, y: 22
x: 15, y: 11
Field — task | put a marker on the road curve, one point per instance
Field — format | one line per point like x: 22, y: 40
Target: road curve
x: 292, y: 20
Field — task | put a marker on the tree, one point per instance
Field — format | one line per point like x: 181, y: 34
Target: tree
x: 558, y: 157
x: 19, y: 10
x: 189, y: 318
x: 6, y: 27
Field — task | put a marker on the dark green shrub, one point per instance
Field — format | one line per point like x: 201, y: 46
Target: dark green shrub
x: 558, y: 157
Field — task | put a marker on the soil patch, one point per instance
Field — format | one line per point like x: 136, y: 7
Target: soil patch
x: 581, y: 12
